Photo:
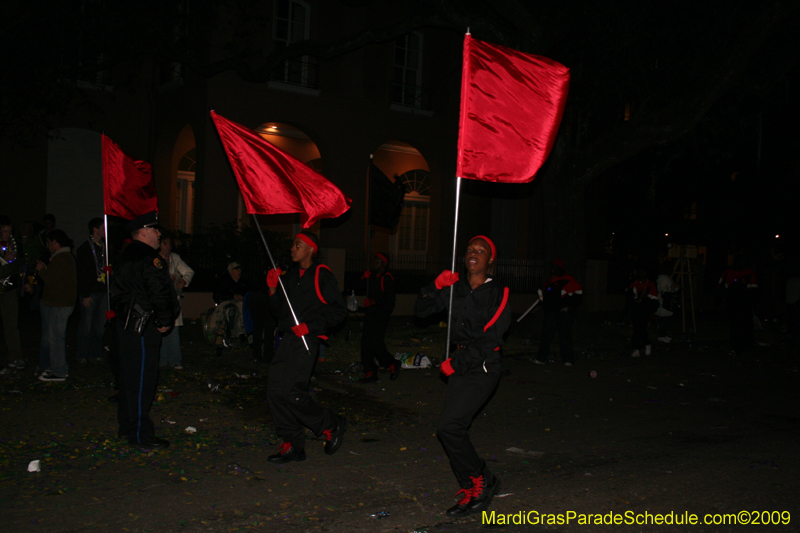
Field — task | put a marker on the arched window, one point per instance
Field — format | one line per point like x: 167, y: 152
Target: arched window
x: 185, y: 194
x: 412, y: 231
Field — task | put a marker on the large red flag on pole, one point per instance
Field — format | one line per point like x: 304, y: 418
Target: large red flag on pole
x: 273, y: 182
x: 511, y: 106
x: 128, y: 187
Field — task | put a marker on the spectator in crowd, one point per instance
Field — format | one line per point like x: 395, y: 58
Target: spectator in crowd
x: 92, y: 293
x: 181, y: 275
x: 9, y: 298
x: 58, y: 301
x: 231, y: 289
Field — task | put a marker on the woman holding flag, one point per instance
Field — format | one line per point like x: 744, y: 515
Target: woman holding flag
x: 318, y: 305
x: 480, y: 318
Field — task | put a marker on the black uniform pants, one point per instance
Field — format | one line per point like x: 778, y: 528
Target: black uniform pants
x: 373, y: 344
x: 562, y: 322
x: 290, y: 402
x: 263, y: 326
x: 463, y: 400
x: 138, y: 378
x: 640, y: 317
x: 740, y: 321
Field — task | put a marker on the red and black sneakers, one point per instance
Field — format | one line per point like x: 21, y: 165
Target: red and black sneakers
x: 477, y: 498
x: 287, y: 454
x: 335, y: 436
x: 462, y: 507
x: 394, y: 370
x: 483, y: 490
x: 369, y: 377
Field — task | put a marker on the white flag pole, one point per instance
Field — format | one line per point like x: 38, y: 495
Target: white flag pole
x: 452, y: 269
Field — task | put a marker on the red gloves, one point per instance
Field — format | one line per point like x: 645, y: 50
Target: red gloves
x: 366, y: 275
x: 367, y: 302
x: 272, y: 278
x: 445, y: 279
x: 300, y: 329
x: 447, y: 368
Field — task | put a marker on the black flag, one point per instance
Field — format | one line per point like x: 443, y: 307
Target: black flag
x: 385, y: 199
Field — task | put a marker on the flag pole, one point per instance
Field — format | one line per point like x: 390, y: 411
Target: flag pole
x: 369, y: 213
x: 108, y: 274
x: 280, y: 281
x: 452, y: 269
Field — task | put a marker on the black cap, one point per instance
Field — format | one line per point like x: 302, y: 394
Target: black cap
x: 148, y: 220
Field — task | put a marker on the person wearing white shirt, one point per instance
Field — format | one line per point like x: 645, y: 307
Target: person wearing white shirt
x: 181, y: 275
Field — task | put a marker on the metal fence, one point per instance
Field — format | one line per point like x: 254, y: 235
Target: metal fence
x: 412, y: 272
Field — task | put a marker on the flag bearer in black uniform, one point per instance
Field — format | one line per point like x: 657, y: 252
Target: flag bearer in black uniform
x: 313, y: 292
x: 146, y: 306
x: 479, y: 320
x: 561, y: 295
x: 379, y: 305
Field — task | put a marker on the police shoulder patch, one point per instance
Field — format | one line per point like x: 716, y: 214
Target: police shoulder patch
x: 157, y: 263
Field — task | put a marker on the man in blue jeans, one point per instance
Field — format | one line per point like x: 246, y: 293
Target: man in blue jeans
x: 92, y: 294
x: 58, y: 302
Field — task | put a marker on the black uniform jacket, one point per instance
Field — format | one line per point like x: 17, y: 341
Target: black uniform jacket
x: 480, y: 319
x: 315, y: 298
x: 381, y: 294
x: 141, y: 275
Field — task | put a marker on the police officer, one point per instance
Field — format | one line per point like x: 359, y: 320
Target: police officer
x: 146, y: 306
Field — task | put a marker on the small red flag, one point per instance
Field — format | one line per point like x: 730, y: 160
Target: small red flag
x: 128, y: 187
x: 273, y: 182
x: 511, y: 106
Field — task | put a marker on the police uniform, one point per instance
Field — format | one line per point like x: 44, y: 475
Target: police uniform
x: 143, y: 299
x: 379, y: 306
x: 317, y: 302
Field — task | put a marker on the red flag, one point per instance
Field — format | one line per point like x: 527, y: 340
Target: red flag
x: 511, y: 106
x: 128, y: 187
x: 273, y: 182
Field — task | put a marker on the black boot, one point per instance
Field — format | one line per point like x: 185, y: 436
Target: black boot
x: 484, y: 488
x: 462, y: 507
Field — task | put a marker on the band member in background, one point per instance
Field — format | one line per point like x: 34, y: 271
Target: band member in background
x: 379, y: 305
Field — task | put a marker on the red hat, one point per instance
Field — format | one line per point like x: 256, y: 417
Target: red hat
x: 489, y: 241
x: 559, y: 263
x: 382, y: 257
